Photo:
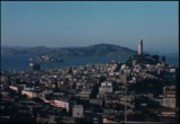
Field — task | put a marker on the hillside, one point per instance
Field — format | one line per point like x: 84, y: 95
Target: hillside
x: 93, y: 50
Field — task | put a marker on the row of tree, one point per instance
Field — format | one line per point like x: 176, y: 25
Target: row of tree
x: 146, y: 59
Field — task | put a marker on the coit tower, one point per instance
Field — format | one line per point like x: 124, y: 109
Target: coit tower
x: 140, y: 47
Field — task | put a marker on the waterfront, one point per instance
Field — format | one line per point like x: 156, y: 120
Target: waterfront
x: 78, y: 94
x: 20, y: 62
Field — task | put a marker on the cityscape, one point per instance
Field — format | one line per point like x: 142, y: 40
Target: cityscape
x: 141, y: 88
x: 114, y: 92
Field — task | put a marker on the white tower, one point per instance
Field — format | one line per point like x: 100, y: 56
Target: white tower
x: 140, y: 47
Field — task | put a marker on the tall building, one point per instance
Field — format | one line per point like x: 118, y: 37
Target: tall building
x: 34, y: 66
x: 140, y: 47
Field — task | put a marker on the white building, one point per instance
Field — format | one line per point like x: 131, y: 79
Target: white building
x: 140, y: 47
x: 169, y: 98
x: 30, y: 94
x: 106, y: 87
x: 78, y: 111
x: 62, y: 104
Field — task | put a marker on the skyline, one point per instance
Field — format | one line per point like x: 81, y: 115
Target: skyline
x: 67, y: 24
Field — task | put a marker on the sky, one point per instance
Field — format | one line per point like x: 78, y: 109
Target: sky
x: 67, y: 24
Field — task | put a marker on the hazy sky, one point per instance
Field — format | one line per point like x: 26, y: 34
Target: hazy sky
x: 63, y: 24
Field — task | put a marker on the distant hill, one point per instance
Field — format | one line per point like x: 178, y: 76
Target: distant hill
x: 93, y: 50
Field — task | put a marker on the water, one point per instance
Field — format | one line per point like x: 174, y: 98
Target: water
x: 173, y: 59
x: 21, y: 62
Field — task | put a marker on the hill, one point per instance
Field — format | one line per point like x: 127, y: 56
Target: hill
x: 93, y: 50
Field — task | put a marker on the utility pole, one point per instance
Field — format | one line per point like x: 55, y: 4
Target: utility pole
x: 125, y: 82
x: 123, y: 77
x: 125, y: 116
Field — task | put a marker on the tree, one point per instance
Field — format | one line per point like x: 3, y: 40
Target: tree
x: 147, y: 55
x: 24, y: 96
x: 156, y: 58
x: 163, y: 58
x: 102, y: 78
x: 148, y: 86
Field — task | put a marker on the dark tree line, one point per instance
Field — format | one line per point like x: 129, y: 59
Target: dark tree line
x: 146, y: 59
x: 153, y: 86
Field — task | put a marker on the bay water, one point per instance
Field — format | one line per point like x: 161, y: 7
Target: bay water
x: 21, y: 62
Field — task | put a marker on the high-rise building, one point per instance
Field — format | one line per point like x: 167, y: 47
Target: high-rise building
x: 140, y: 47
x: 34, y: 66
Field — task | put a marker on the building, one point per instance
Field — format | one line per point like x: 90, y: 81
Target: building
x: 123, y: 77
x: 46, y: 119
x: 106, y: 87
x: 96, y: 101
x: 140, y: 47
x: 84, y: 94
x: 34, y: 66
x: 169, y: 98
x: 4, y: 81
x: 29, y: 94
x: 13, y: 88
x: 62, y: 103
x: 105, y: 120
x: 78, y: 111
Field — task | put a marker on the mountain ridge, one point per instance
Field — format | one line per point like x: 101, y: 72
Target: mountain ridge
x: 91, y: 50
